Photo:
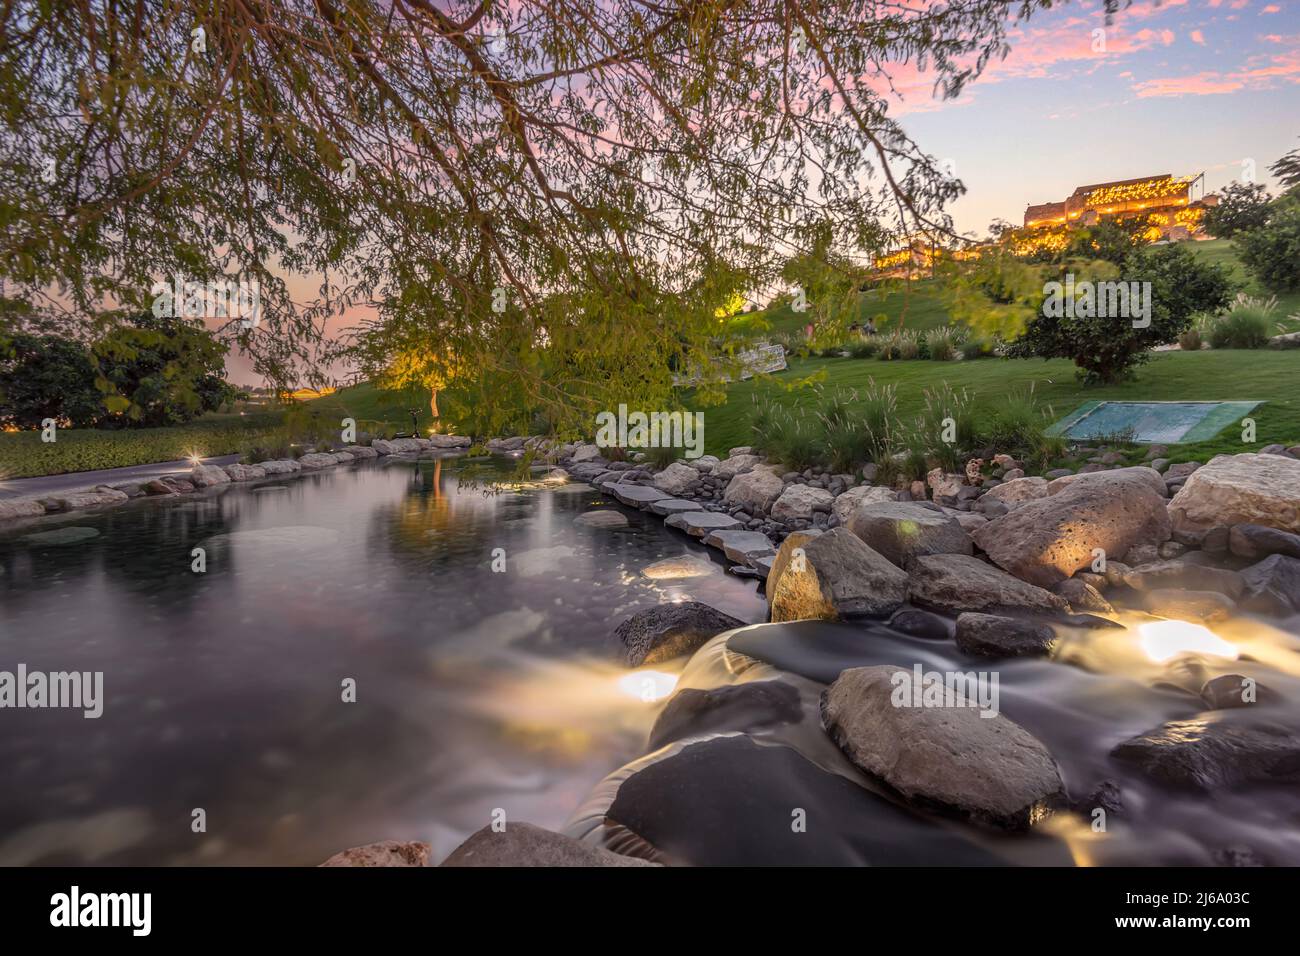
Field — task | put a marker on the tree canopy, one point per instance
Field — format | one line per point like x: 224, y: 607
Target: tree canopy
x: 555, y: 196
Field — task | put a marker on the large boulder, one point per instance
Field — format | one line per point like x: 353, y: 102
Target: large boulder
x: 1017, y: 491
x: 800, y: 502
x: 847, y: 503
x: 1240, y: 489
x: 100, y: 497
x: 676, y: 478
x: 449, y: 441
x: 660, y: 633
x: 205, y: 476
x: 957, y: 758
x: 832, y: 576
x: 362, y: 451
x: 280, y: 466
x: 1144, y: 473
x: 522, y: 844
x: 316, y: 459
x: 586, y: 453
x: 991, y: 635
x: 1047, y: 540
x: 959, y: 582
x: 743, y: 547
x: 387, y: 853
x: 735, y: 465
x: 602, y: 519
x: 1181, y: 573
x: 1211, y: 751
x: 755, y: 490
x: 903, y: 530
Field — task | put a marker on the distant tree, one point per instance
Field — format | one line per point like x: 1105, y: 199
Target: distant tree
x: 157, y: 371
x: 1110, y: 240
x: 47, y: 376
x: 1272, y: 252
x: 1287, y: 169
x: 1241, y: 206
x: 1108, y: 349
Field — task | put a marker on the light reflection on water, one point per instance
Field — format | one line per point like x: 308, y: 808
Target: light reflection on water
x: 476, y: 690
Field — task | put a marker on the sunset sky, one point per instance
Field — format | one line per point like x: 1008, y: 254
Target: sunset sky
x: 1182, y: 87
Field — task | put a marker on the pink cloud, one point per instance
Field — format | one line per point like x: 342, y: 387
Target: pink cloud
x: 1271, y: 8
x: 1198, y: 37
x: 1259, y: 73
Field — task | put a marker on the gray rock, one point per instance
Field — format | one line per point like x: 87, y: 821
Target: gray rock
x: 1208, y: 752
x: 20, y: 508
x: 387, y: 853
x: 1047, y: 540
x: 316, y: 460
x: 1082, y: 596
x: 958, y: 582
x: 902, y: 531
x: 986, y: 769
x: 280, y: 466
x: 699, y: 523
x: 76, y: 500
x: 238, y: 472
x: 1229, y: 691
x: 676, y: 478
x: 660, y: 633
x: 832, y: 576
x: 848, y: 502
x: 734, y: 465
x: 741, y: 546
x: 522, y: 844
x: 741, y: 707
x: 205, y: 476
x: 755, y: 490
x: 636, y: 496
x: 1272, y: 586
x: 1016, y: 491
x: 365, y: 451
x: 61, y: 536
x: 801, y: 501
x: 673, y: 506
x: 990, y: 635
x: 602, y: 519
x: 919, y: 623
x: 1255, y: 541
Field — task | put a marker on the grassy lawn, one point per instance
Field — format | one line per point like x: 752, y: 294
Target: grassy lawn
x: 1268, y: 376
x: 909, y: 305
x: 1220, y: 252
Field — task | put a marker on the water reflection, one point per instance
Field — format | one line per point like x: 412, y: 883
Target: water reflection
x: 477, y: 688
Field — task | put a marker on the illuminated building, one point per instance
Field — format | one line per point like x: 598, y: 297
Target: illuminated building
x: 1172, y: 205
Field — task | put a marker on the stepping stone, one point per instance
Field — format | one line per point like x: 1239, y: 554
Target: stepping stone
x: 700, y: 523
x: 763, y: 565
x: 602, y: 519
x: 673, y: 506
x: 637, y: 496
x: 684, y: 566
x: 743, y: 547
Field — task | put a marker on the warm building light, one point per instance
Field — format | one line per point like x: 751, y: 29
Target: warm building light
x: 1165, y: 640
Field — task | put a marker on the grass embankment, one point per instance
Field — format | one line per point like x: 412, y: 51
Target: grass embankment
x: 24, y: 455
x: 1225, y: 375
x: 1220, y: 252
x: 913, y: 305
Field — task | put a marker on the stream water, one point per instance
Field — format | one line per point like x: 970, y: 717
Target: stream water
x: 481, y: 691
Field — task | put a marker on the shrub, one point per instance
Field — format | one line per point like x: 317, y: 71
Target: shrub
x: 794, y: 442
x: 1272, y: 252
x: 1194, y: 337
x: 1246, y: 325
x: 1109, y: 348
x: 946, y: 427
x: 855, y: 428
x: 864, y: 349
x: 941, y: 345
x: 909, y: 346
x: 976, y: 348
x: 47, y: 377
x: 891, y: 349
x: 661, y: 456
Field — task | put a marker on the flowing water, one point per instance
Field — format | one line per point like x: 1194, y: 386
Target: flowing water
x: 483, y: 691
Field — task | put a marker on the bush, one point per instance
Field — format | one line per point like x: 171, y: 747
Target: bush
x: 1242, y: 206
x: 1109, y: 348
x: 891, y: 349
x: 47, y: 377
x: 976, y: 348
x: 864, y: 349
x: 941, y: 344
x: 794, y: 442
x: 946, y: 429
x: 909, y: 345
x: 855, y: 428
x: 1247, y: 325
x: 1272, y: 252
x: 1193, y: 338
x: 661, y: 456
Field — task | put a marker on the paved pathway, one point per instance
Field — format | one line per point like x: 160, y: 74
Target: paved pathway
x: 80, y: 480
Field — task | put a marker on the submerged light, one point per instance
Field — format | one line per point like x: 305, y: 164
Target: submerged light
x: 647, y: 686
x: 1163, y: 640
